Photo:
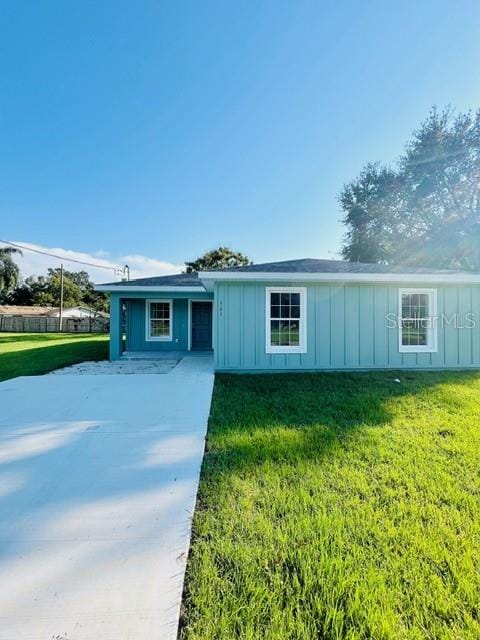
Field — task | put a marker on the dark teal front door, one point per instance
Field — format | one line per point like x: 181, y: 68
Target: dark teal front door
x: 201, y: 325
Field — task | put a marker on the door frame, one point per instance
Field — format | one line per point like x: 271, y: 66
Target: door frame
x: 190, y: 300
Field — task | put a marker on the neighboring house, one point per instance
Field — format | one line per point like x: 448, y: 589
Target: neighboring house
x: 304, y: 315
x: 80, y: 319
x: 51, y: 312
x: 25, y: 311
x: 79, y: 312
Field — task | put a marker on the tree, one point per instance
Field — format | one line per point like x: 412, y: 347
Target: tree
x: 371, y: 204
x: 426, y: 209
x: 9, y: 271
x: 45, y: 291
x: 220, y: 258
x: 88, y: 296
x: 28, y: 292
x: 49, y: 294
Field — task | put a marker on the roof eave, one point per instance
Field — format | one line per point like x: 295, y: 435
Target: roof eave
x: 209, y: 277
x: 119, y: 288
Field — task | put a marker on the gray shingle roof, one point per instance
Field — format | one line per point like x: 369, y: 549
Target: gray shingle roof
x: 311, y: 265
x: 175, y: 280
x: 304, y: 265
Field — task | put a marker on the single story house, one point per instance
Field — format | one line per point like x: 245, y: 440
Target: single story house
x: 25, y: 311
x: 18, y: 318
x: 79, y: 312
x: 304, y: 315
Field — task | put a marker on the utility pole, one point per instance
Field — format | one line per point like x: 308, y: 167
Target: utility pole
x: 61, y: 298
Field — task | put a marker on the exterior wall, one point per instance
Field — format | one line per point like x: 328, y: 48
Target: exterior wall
x: 136, y: 327
x: 346, y: 328
x: 135, y: 321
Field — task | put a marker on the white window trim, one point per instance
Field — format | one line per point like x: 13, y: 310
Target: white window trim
x: 302, y: 347
x: 432, y: 331
x: 148, y: 337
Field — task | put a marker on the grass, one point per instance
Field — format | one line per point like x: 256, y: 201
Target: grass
x: 27, y: 354
x: 338, y: 506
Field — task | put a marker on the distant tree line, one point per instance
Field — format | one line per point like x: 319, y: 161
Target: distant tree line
x: 78, y: 289
x: 424, y: 210
x: 45, y: 291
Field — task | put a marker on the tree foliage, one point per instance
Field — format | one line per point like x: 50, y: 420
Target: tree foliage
x: 426, y: 209
x: 9, y: 271
x: 220, y: 258
x: 45, y: 291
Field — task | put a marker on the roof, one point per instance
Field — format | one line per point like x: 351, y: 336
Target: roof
x: 20, y: 310
x: 305, y: 269
x: 37, y: 311
x: 175, y: 280
x: 72, y: 310
x: 337, y: 271
x: 312, y: 265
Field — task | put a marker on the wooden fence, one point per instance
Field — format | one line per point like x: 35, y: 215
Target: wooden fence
x: 45, y: 324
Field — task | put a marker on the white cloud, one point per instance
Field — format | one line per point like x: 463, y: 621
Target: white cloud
x: 152, y: 266
x: 32, y: 263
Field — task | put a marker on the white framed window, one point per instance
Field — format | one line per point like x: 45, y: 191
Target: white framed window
x: 286, y: 319
x: 158, y: 317
x: 417, y: 320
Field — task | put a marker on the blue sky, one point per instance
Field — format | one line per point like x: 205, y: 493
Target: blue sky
x: 162, y: 129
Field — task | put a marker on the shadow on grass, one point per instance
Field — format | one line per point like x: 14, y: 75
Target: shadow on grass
x: 263, y: 429
x: 256, y: 419
x: 42, y: 359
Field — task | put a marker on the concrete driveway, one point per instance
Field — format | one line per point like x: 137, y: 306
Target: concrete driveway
x: 98, y: 479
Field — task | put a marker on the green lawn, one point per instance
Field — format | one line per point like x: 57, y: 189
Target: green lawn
x: 338, y: 506
x: 27, y: 354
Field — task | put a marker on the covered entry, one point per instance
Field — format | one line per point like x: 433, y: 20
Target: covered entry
x: 200, y: 325
x: 155, y: 315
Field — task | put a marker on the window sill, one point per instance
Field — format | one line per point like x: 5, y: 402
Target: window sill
x: 284, y: 350
x: 418, y: 350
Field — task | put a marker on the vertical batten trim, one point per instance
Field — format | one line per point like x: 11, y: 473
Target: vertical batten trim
x: 389, y: 351
x: 242, y: 325
x: 471, y: 331
x: 344, y: 326
x: 255, y: 328
x: 226, y: 297
x: 458, y: 330
x: 330, y: 299
x: 444, y: 330
x: 316, y: 309
x: 359, y: 330
x: 374, y: 325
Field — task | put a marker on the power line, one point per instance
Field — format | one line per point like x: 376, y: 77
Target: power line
x: 117, y: 270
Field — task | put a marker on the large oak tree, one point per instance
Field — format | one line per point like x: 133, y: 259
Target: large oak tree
x: 425, y: 210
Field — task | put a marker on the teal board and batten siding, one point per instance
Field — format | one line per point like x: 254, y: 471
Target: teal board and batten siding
x: 136, y: 327
x: 347, y: 328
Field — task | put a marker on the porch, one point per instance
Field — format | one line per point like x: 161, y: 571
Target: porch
x: 160, y: 325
